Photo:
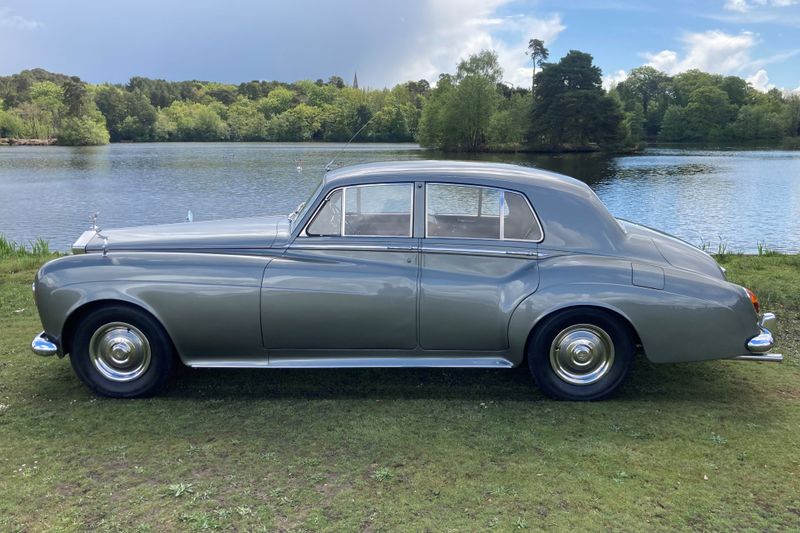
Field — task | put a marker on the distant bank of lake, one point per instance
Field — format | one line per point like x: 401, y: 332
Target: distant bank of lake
x: 740, y: 197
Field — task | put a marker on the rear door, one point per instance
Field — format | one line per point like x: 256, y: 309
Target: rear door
x: 476, y: 265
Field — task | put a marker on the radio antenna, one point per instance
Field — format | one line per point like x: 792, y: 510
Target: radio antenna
x: 329, y: 166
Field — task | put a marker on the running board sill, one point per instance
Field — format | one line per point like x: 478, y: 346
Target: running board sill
x: 365, y: 362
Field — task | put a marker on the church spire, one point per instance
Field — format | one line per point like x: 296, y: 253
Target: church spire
x: 355, y: 80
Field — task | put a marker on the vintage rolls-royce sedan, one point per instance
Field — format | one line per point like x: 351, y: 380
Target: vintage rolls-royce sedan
x: 399, y: 264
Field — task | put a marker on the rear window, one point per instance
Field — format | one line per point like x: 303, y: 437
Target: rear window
x: 471, y: 212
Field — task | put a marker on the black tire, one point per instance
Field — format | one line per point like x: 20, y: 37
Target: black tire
x: 602, y: 376
x: 138, y: 380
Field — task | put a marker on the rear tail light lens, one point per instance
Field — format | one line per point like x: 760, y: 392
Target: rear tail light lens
x: 753, y: 300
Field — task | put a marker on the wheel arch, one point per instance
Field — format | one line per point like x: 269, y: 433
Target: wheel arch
x: 83, y: 310
x: 617, y: 314
x: 528, y: 317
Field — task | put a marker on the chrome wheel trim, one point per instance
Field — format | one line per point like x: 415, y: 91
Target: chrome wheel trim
x: 582, y: 354
x: 119, y: 351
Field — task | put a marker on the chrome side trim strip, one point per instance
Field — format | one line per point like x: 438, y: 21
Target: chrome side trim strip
x: 364, y: 362
x: 764, y: 357
x: 392, y: 362
x: 230, y: 364
x: 352, y: 247
x: 480, y: 251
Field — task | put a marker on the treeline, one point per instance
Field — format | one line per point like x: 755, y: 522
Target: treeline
x: 566, y: 108
x: 695, y: 106
x: 34, y: 104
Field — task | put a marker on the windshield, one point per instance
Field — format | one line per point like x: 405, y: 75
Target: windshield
x: 301, y: 209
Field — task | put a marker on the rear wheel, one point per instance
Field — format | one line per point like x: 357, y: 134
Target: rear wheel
x: 121, y: 352
x: 581, y: 354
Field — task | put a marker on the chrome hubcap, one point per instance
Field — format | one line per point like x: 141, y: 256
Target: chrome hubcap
x: 119, y: 351
x: 582, y: 354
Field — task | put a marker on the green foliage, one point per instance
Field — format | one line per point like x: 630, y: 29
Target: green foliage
x: 10, y: 124
x: 188, y: 121
x: 458, y: 113
x: 471, y: 109
x: 570, y: 108
x: 86, y: 130
x: 758, y: 122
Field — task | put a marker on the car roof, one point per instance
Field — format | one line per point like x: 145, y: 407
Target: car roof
x: 465, y: 171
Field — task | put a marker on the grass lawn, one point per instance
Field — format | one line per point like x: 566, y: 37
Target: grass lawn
x: 709, y: 446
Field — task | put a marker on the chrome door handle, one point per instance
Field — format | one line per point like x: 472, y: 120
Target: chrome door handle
x: 523, y: 253
x: 402, y: 248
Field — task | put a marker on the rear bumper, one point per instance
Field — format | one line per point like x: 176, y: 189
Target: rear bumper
x: 762, y: 343
x: 43, y: 345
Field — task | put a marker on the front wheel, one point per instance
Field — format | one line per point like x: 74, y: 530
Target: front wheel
x: 581, y: 354
x: 121, y: 352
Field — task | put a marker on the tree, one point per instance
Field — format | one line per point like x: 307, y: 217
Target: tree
x: 10, y: 124
x: 707, y: 114
x: 570, y: 107
x: 246, y: 122
x: 278, y: 100
x: 336, y: 81
x: 539, y: 54
x: 85, y: 130
x: 484, y: 64
x: 758, y: 122
x: 76, y: 97
x: 457, y: 114
x: 673, y: 127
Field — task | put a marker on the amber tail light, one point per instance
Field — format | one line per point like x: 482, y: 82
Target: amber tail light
x: 754, y: 300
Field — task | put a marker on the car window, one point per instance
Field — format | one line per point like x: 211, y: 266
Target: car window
x: 463, y: 211
x: 518, y: 220
x: 328, y: 220
x: 379, y: 210
x: 383, y: 210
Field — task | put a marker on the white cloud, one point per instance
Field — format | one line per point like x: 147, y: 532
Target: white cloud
x: 710, y: 51
x: 610, y: 80
x: 760, y: 81
x: 463, y: 27
x: 736, y: 5
x: 743, y: 6
x: 9, y: 20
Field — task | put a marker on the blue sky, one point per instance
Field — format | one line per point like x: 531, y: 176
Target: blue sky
x: 391, y: 42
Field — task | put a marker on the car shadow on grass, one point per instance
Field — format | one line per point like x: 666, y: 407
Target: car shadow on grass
x: 692, y: 382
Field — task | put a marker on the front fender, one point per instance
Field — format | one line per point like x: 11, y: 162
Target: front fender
x: 207, y: 303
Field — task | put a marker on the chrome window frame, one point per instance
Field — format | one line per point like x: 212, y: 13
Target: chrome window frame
x: 502, y: 216
x: 342, y: 233
x: 314, y: 215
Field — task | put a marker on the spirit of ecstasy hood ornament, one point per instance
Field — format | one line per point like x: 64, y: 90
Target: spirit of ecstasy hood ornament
x: 94, y: 227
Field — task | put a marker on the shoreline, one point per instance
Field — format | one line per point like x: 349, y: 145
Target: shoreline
x: 782, y: 146
x: 11, y: 141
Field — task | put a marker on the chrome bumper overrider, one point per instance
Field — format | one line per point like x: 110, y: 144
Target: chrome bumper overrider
x: 42, y: 345
x: 762, y: 343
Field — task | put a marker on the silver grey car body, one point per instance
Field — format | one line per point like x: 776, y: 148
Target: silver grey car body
x: 262, y: 292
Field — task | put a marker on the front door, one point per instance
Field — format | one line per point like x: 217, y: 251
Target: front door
x: 350, y: 280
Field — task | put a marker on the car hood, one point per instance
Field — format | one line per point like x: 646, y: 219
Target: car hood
x: 240, y: 233
x: 675, y: 251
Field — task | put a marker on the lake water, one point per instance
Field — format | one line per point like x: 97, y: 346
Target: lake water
x: 735, y: 197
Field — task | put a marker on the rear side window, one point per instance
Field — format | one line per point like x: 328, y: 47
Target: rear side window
x: 464, y: 211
